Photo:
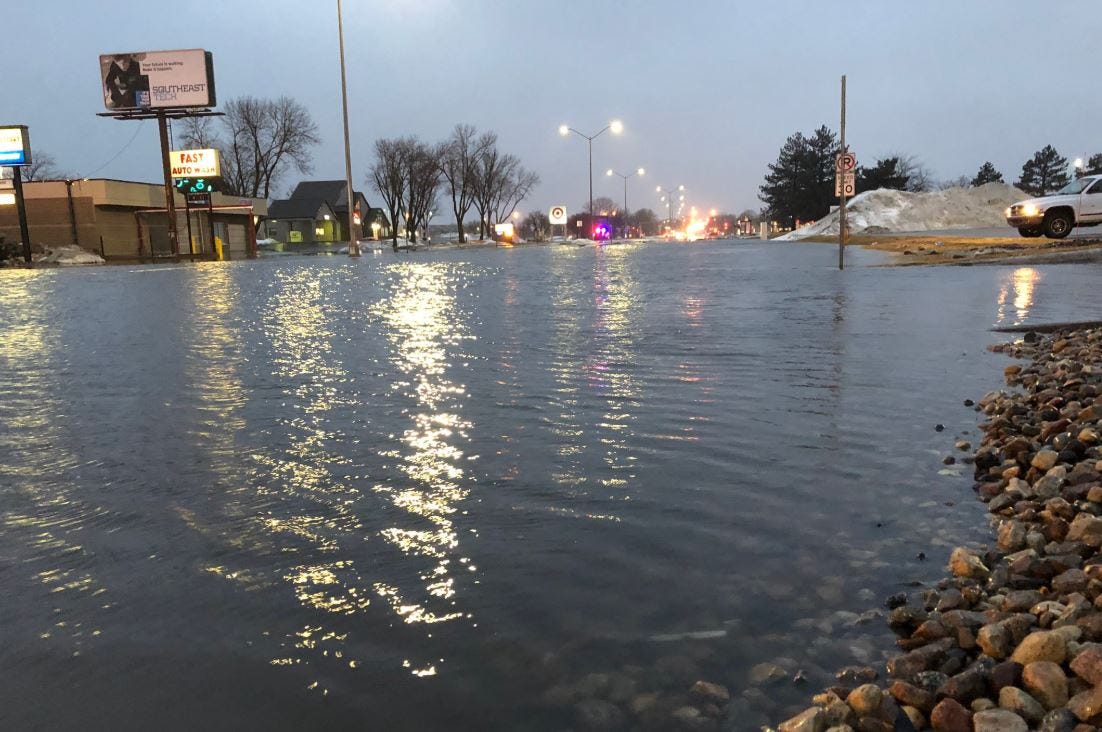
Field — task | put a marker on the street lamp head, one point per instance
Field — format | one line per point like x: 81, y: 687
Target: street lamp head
x: 640, y: 172
x: 681, y: 188
x: 609, y: 172
x: 1078, y: 162
x: 616, y: 126
x: 658, y: 189
x: 564, y: 130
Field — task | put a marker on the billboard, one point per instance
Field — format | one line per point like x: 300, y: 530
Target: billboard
x: 15, y: 146
x: 157, y: 79
x: 194, y: 164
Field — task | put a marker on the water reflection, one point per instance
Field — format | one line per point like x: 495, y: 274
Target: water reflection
x: 43, y: 515
x: 611, y: 364
x: 425, y: 329
x: 1017, y: 292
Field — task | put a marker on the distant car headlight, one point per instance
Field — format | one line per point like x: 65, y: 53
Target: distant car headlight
x: 1030, y: 210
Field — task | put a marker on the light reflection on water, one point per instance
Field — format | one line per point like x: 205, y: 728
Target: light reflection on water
x: 1017, y: 292
x: 425, y: 333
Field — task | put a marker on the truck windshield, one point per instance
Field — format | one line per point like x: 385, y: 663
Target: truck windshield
x: 1076, y: 186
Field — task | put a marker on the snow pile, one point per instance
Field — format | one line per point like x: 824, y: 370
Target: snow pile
x: 69, y: 255
x: 883, y: 211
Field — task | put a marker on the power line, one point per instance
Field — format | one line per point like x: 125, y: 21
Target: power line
x: 120, y: 152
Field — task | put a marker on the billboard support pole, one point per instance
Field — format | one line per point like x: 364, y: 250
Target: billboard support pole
x: 842, y: 222
x: 21, y: 206
x: 170, y: 201
x: 187, y: 215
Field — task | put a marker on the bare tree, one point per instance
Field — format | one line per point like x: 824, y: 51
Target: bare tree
x: 423, y: 175
x: 514, y: 188
x: 259, y: 141
x: 602, y: 206
x: 501, y: 183
x: 388, y: 175
x: 536, y: 226
x: 43, y: 166
x: 458, y: 164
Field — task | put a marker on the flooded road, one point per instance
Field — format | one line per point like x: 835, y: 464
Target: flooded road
x: 469, y: 490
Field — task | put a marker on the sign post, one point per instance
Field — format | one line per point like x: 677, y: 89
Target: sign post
x: 15, y: 150
x: 843, y: 158
x: 556, y: 216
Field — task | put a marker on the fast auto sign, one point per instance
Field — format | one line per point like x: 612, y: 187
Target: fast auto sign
x: 15, y: 146
x: 194, y: 163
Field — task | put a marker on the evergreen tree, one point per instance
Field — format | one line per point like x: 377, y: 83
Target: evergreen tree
x: 1094, y: 165
x: 1045, y: 172
x: 886, y: 173
x: 800, y: 184
x: 987, y: 174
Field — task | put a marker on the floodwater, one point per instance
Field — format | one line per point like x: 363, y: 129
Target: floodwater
x: 437, y: 491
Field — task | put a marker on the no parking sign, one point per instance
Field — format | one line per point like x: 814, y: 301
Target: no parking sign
x: 557, y: 215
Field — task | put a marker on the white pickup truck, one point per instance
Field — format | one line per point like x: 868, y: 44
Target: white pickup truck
x: 1079, y: 203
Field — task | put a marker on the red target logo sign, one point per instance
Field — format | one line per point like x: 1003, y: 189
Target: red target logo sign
x: 557, y: 215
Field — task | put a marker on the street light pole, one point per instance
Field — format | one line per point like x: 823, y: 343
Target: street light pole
x: 353, y: 243
x: 669, y: 202
x: 640, y: 171
x: 617, y: 127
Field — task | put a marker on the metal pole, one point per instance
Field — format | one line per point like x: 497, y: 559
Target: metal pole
x: 21, y: 206
x: 170, y: 201
x: 353, y: 243
x: 842, y: 208
x: 187, y: 214
x: 72, y: 211
x: 590, y: 185
x: 626, y: 206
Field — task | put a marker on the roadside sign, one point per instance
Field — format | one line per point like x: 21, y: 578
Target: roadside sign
x: 15, y: 145
x: 557, y: 215
x: 198, y: 199
x: 845, y: 161
x: 845, y: 183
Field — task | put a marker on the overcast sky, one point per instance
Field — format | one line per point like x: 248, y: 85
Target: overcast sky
x: 707, y: 90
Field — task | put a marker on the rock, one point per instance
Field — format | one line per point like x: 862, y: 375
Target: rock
x: 691, y: 718
x: 963, y: 445
x: 964, y: 563
x: 1087, y: 529
x: 1040, y: 646
x: 916, y: 717
x: 981, y: 705
x: 1088, y: 665
x: 906, y: 667
x: 965, y: 686
x: 999, y: 720
x: 1087, y: 706
x: 764, y: 673
x: 910, y: 695
x: 995, y: 640
x: 950, y: 716
x: 1073, y: 580
x: 810, y: 720
x: 865, y: 700
x: 1044, y: 460
x: 1011, y: 536
x: 1021, y: 703
x: 640, y: 704
x: 1007, y: 673
x: 597, y: 714
x: 1045, y: 681
x: 1058, y: 720
x: 706, y: 692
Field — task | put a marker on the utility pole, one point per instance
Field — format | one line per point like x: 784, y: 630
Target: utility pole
x: 353, y: 240
x: 838, y: 171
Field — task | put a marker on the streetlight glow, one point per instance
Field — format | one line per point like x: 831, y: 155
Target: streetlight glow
x: 640, y: 172
x: 564, y: 130
x: 616, y: 126
x: 1078, y: 163
x: 609, y: 172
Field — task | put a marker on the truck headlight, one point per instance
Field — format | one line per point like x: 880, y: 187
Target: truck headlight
x: 1030, y: 210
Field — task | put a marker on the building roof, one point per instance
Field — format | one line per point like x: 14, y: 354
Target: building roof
x: 299, y: 208
x: 331, y: 191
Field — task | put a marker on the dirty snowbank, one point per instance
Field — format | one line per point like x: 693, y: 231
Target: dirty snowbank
x: 883, y: 211
x: 69, y: 255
